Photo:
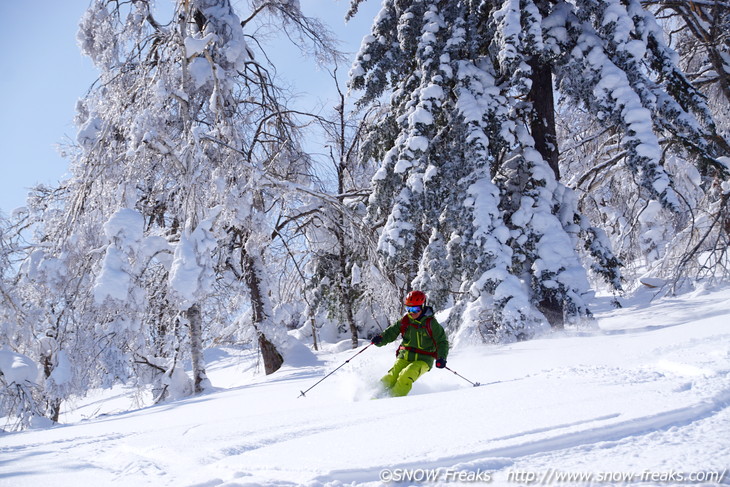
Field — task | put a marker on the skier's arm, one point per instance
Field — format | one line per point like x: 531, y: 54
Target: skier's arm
x: 390, y: 334
x: 442, y: 343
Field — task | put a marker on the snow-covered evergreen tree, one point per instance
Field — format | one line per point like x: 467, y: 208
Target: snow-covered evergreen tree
x: 466, y: 82
x: 434, y: 199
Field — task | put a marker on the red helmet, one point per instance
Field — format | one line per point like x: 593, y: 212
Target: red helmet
x: 415, y: 298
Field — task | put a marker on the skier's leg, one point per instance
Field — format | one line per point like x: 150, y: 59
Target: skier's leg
x: 391, y: 377
x: 408, y: 376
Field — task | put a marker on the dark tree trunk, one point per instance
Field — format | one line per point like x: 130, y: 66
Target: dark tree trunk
x: 543, y: 119
x: 553, y: 311
x: 270, y: 355
x: 546, y: 143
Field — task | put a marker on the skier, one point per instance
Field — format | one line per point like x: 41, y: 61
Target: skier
x: 424, y: 340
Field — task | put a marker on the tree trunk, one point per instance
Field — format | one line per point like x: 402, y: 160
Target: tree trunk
x: 553, y: 311
x: 346, y: 294
x: 53, y: 406
x: 353, y: 326
x: 195, y: 322
x: 345, y: 289
x: 270, y: 355
x: 546, y: 143
x: 314, y: 332
x: 54, y: 410
x: 543, y: 119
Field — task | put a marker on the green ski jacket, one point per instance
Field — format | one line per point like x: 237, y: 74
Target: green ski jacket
x: 418, y: 343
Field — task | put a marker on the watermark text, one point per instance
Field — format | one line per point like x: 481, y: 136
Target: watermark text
x: 553, y: 476
x: 548, y: 477
x: 426, y: 475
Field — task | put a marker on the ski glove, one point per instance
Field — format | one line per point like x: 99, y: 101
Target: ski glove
x: 440, y: 363
x: 376, y: 339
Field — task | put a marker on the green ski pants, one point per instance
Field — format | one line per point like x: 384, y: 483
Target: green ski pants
x: 399, y: 379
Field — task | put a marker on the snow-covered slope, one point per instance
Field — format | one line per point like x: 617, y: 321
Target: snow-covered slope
x: 643, y: 398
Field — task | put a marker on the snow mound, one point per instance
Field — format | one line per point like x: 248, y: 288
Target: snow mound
x: 16, y: 368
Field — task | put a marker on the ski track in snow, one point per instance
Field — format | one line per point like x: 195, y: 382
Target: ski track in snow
x: 626, y: 397
x: 560, y: 441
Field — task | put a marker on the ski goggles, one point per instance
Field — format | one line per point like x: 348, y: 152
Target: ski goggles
x: 413, y: 309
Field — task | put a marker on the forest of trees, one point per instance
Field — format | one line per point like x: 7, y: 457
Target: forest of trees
x: 509, y: 158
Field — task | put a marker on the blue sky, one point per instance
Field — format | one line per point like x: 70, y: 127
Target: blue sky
x: 45, y: 74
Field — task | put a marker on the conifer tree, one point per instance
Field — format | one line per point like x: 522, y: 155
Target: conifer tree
x: 469, y: 146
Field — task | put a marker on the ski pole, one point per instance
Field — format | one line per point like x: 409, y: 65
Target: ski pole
x: 475, y: 384
x: 303, y: 393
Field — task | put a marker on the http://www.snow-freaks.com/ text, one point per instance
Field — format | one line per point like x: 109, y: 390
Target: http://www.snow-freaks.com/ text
x: 548, y: 477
